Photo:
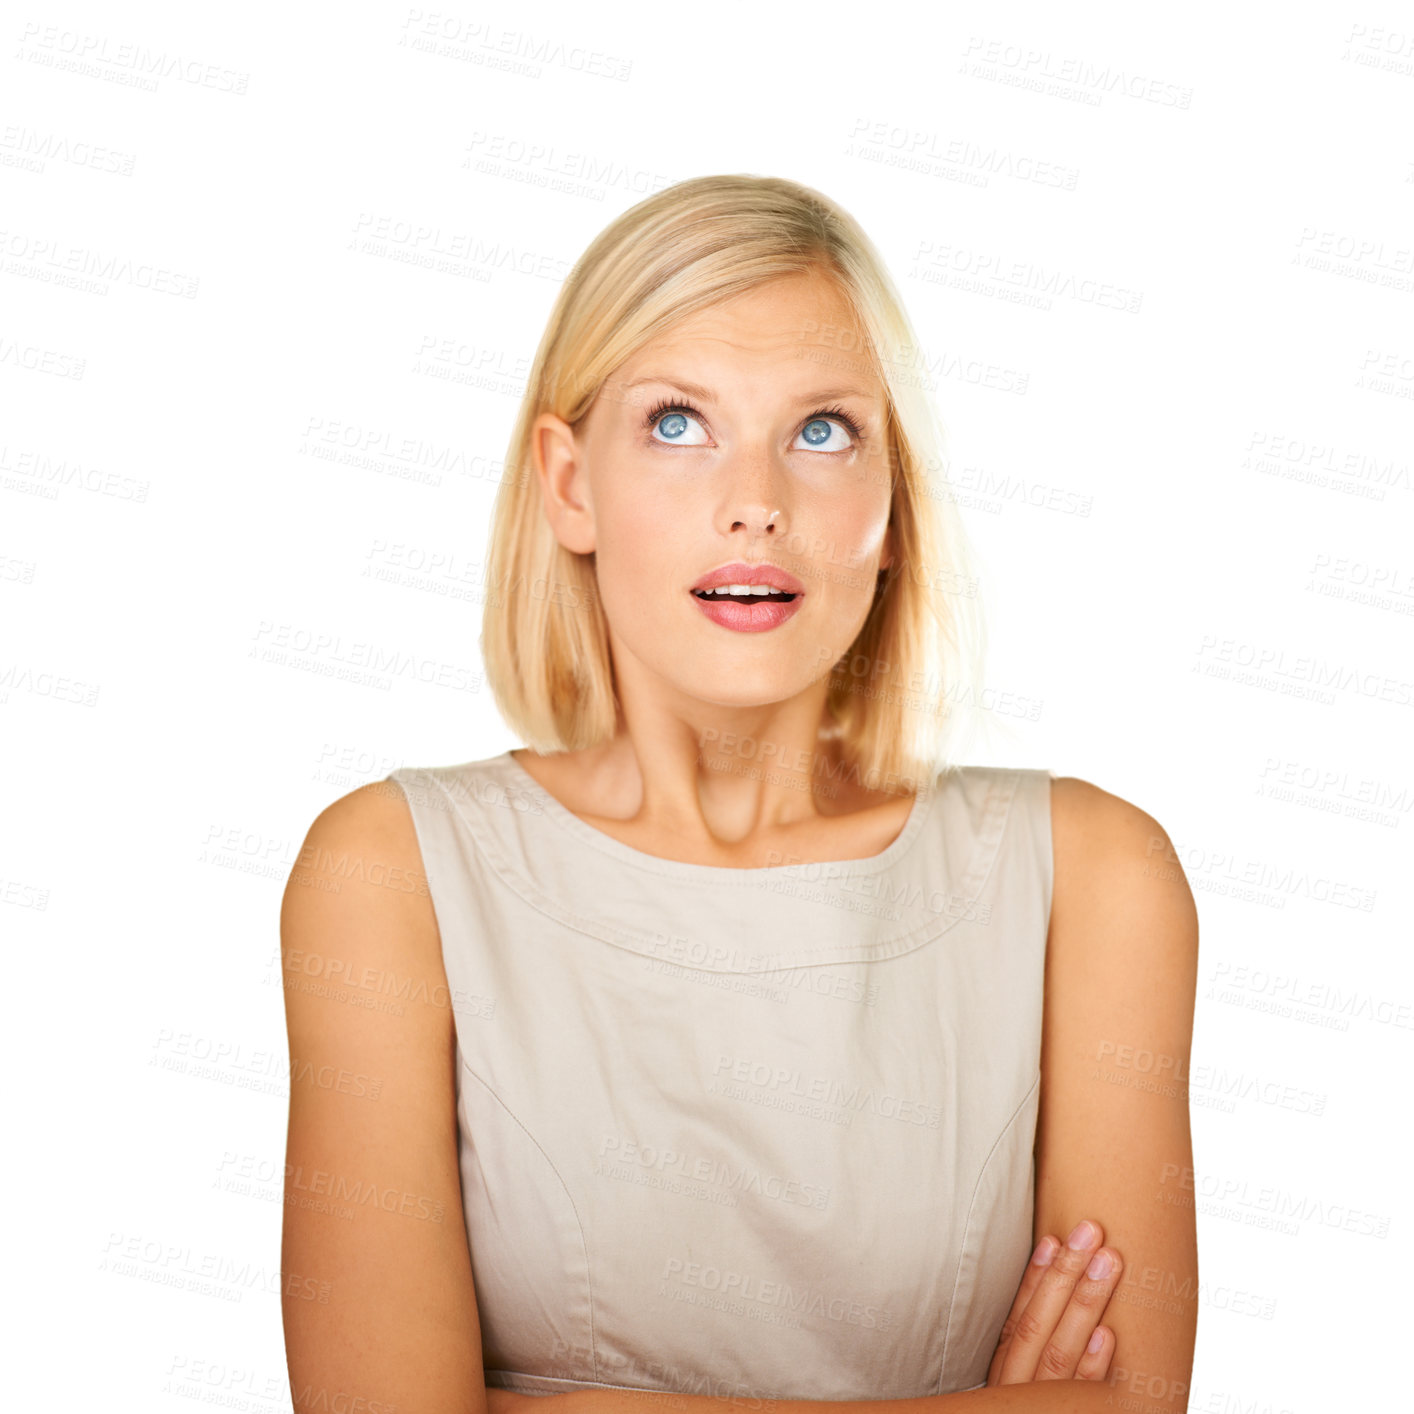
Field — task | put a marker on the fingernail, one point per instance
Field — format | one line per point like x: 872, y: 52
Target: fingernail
x: 1045, y: 1250
x: 1096, y: 1341
x: 1082, y: 1237
x: 1100, y: 1266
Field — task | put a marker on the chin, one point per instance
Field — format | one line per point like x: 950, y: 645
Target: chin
x: 744, y: 694
x: 734, y: 689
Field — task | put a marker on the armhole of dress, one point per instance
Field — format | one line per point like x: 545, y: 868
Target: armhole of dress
x: 1046, y: 835
x: 407, y: 779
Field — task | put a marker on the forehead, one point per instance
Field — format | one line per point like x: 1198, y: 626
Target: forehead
x: 796, y: 324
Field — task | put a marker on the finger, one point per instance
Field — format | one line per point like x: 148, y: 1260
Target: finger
x: 1041, y: 1258
x: 1095, y: 1363
x: 1037, y: 1321
x: 1068, y: 1342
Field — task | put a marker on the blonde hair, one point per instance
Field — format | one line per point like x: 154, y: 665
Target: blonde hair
x: 893, y: 697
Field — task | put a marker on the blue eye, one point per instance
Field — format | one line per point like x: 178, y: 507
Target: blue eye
x: 673, y: 424
x: 817, y: 433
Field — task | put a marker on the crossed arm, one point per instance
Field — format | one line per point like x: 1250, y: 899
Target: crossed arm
x: 1113, y: 1145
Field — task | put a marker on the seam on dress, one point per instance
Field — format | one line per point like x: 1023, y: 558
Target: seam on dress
x: 996, y: 815
x: 588, y: 1271
x: 967, y: 1226
x: 412, y: 773
x: 403, y: 777
x: 570, y: 1385
x: 995, y: 812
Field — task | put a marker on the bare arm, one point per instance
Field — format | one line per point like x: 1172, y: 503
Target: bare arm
x: 379, y: 1308
x: 1113, y: 1137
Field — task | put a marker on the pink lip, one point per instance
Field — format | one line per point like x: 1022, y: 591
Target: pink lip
x: 740, y: 573
x: 750, y: 616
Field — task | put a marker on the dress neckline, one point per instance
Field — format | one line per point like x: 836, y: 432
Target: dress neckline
x: 705, y: 873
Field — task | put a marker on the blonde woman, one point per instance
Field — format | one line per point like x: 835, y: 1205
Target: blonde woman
x: 732, y: 1039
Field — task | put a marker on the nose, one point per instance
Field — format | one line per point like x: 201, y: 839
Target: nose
x: 753, y: 492
x: 760, y: 522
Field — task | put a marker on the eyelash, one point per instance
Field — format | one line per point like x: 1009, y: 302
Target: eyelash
x: 667, y: 405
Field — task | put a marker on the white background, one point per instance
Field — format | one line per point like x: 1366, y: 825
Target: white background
x: 235, y: 419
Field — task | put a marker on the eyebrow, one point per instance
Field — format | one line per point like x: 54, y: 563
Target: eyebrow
x: 706, y: 395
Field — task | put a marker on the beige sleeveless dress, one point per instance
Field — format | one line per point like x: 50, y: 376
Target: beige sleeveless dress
x: 758, y: 1132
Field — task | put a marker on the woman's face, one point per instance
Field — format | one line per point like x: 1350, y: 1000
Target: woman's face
x: 713, y: 445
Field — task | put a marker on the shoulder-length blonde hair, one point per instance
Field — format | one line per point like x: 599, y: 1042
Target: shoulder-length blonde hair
x: 894, y: 695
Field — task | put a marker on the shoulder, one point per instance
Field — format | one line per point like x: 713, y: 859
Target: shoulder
x: 1117, y: 882
x: 1079, y: 808
x: 376, y: 816
x: 1097, y: 831
x: 359, y: 876
x: 377, y: 804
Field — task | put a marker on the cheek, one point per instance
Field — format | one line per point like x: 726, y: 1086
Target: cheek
x: 634, y: 516
x: 841, y: 538
x: 631, y: 502
x: 638, y: 538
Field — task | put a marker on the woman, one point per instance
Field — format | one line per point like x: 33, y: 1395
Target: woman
x: 732, y: 1040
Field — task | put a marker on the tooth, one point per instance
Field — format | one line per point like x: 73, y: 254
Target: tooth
x: 757, y: 591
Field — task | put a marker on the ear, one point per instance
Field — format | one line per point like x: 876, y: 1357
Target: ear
x: 558, y: 454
